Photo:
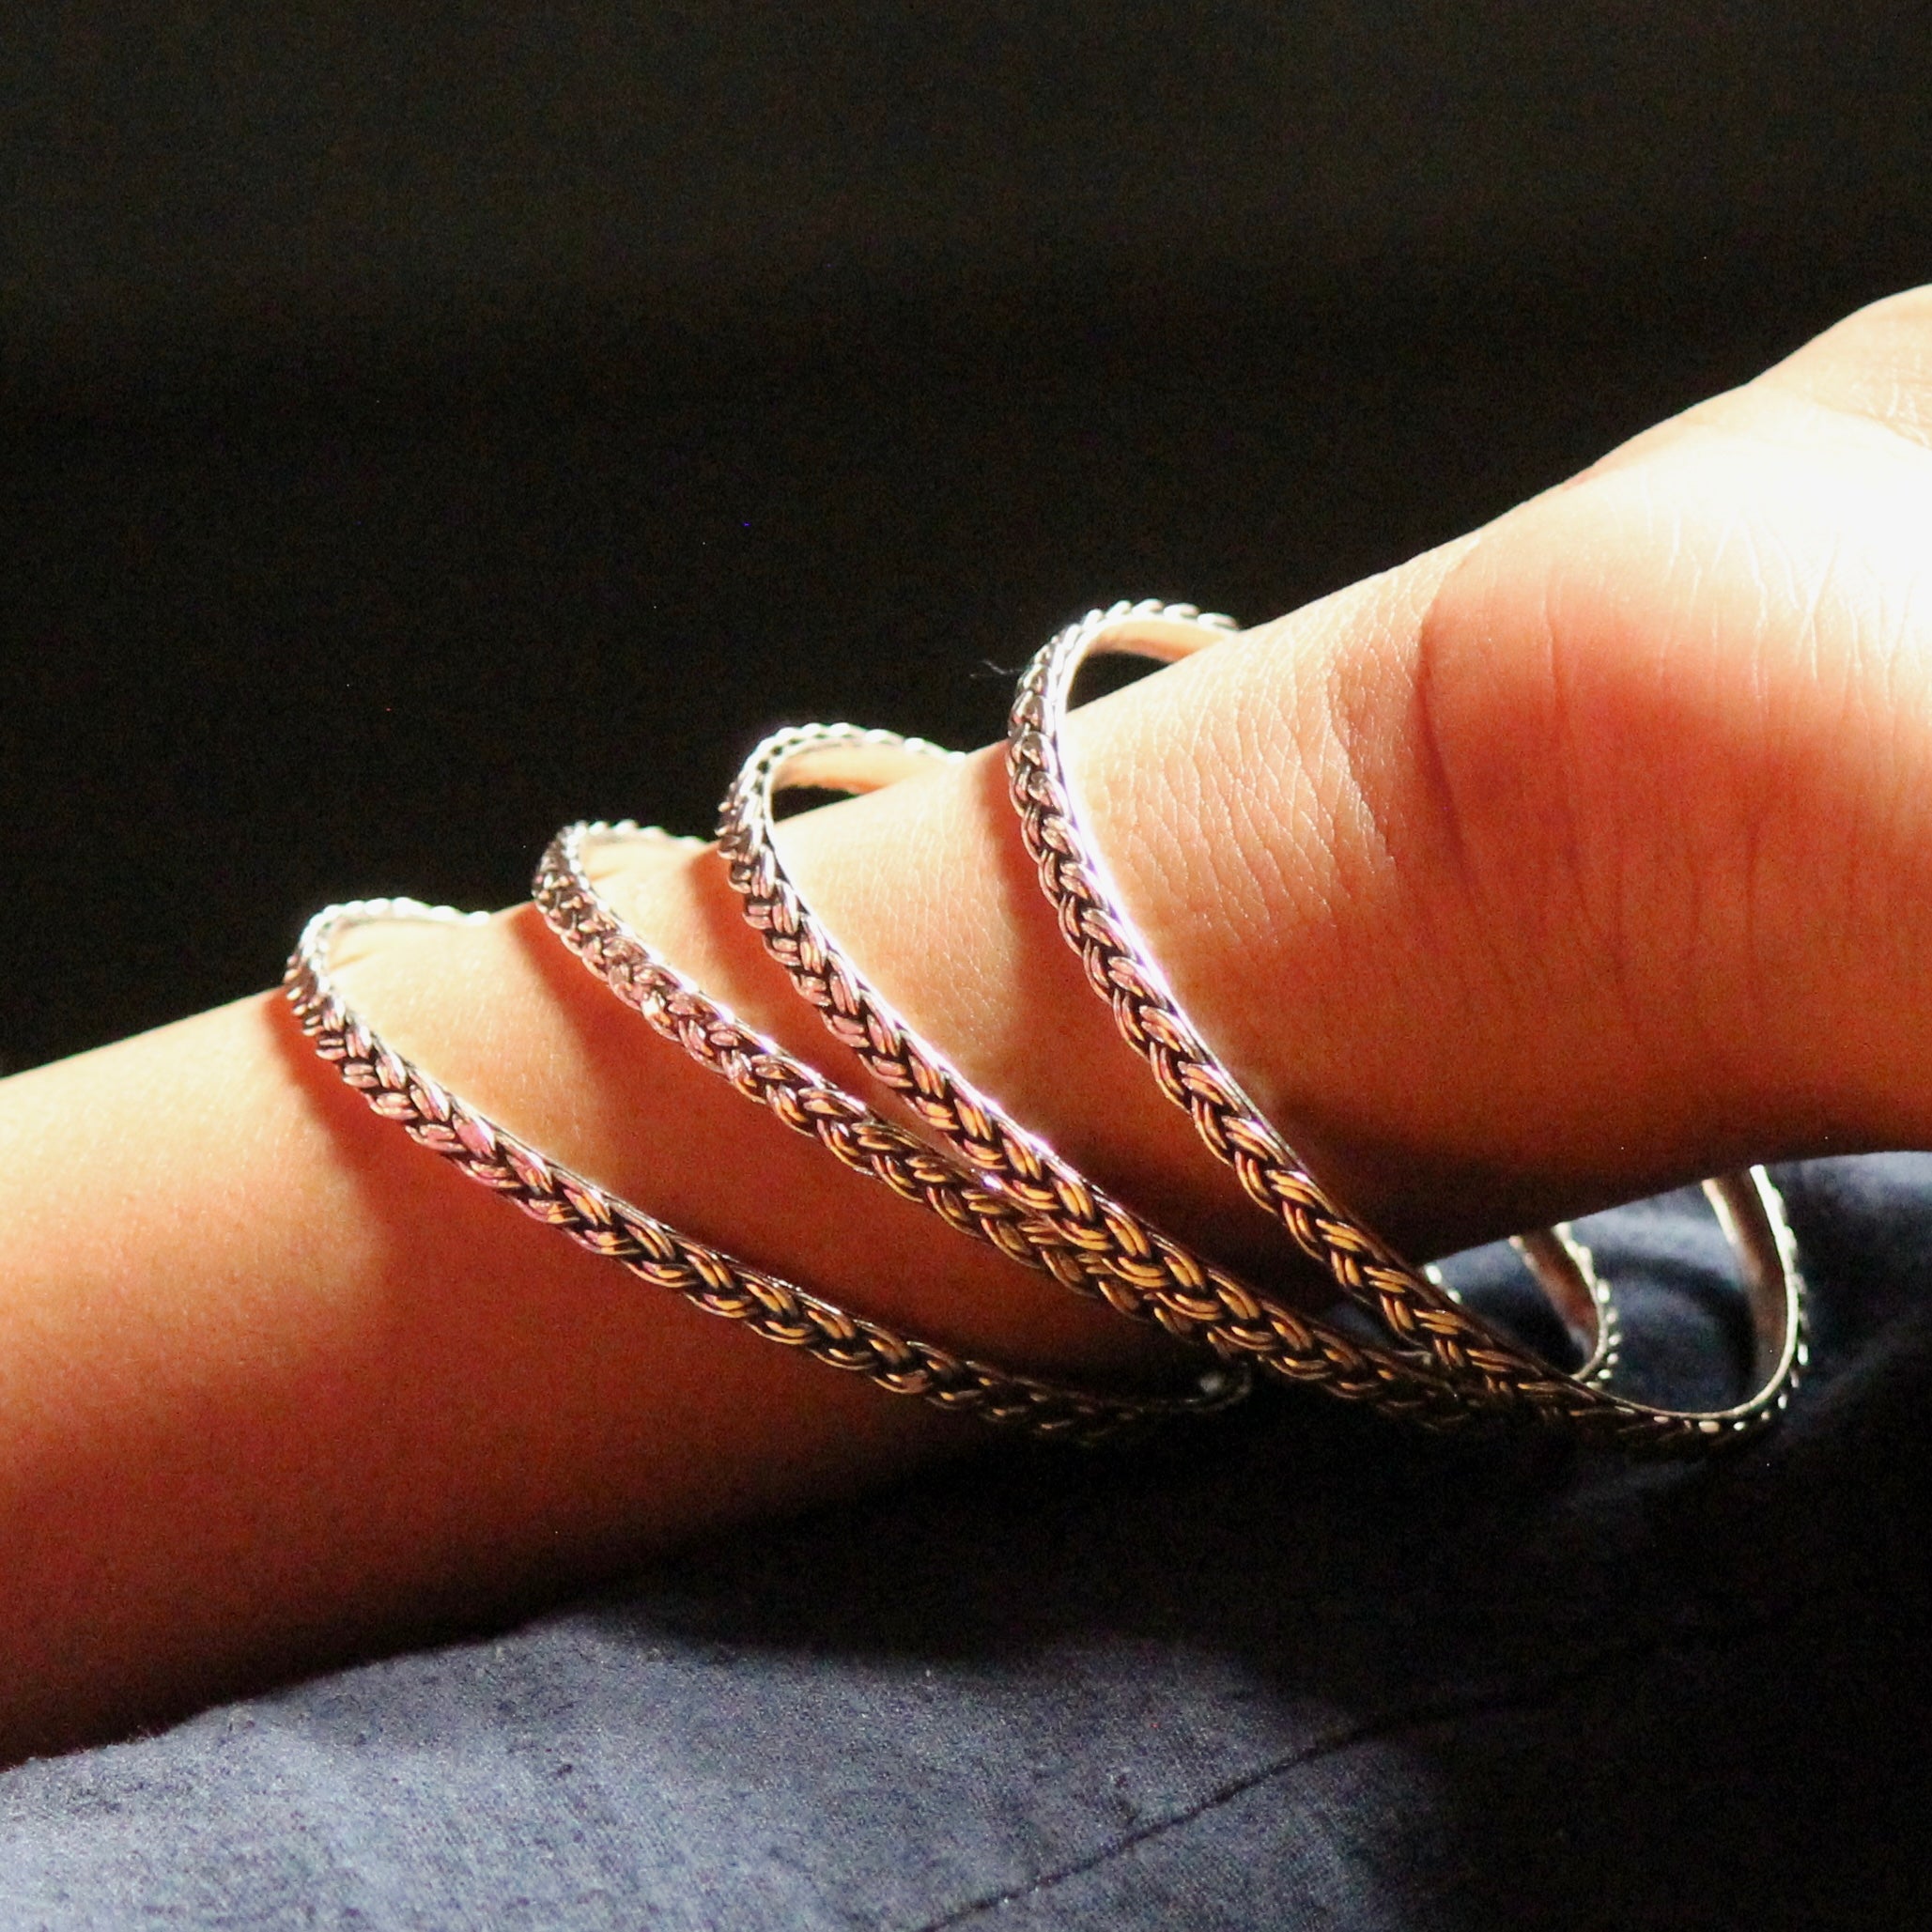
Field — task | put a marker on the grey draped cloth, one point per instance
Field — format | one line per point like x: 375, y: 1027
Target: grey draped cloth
x: 1292, y: 1670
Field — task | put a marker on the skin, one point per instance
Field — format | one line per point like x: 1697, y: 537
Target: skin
x: 1578, y: 857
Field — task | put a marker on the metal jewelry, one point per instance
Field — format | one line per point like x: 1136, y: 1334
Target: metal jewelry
x: 599, y: 1221
x: 1142, y: 1271
x: 679, y: 1010
x: 1417, y: 1309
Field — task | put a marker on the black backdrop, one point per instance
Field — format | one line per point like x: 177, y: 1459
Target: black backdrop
x: 424, y: 424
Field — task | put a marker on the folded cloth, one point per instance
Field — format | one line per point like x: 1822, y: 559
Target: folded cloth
x: 1296, y: 1668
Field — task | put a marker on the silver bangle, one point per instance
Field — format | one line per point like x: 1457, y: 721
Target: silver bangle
x: 599, y: 1221
x: 1147, y: 1273
x: 679, y: 1010
x: 1493, y: 1367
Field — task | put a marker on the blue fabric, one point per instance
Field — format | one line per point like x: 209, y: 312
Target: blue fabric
x: 1297, y: 1670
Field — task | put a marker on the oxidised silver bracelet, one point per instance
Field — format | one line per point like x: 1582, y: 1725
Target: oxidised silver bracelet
x: 1488, y: 1365
x: 1154, y: 1276
x: 703, y: 1275
x: 852, y: 1132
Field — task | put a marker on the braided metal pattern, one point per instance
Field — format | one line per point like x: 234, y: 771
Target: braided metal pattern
x: 1149, y: 1275
x: 1417, y: 1309
x: 597, y: 1220
x: 710, y: 1033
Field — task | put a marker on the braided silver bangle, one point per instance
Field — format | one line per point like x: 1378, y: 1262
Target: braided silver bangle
x: 858, y: 1139
x: 1148, y: 1273
x: 1415, y: 1307
x: 599, y: 1221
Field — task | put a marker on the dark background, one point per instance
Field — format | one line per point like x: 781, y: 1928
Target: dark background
x: 425, y: 424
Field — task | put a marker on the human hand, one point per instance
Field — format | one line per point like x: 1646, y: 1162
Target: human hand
x: 1578, y: 857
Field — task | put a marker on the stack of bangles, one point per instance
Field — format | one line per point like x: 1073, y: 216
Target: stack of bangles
x: 1438, y: 1364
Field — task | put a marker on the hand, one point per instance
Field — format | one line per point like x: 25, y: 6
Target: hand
x: 1584, y: 855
